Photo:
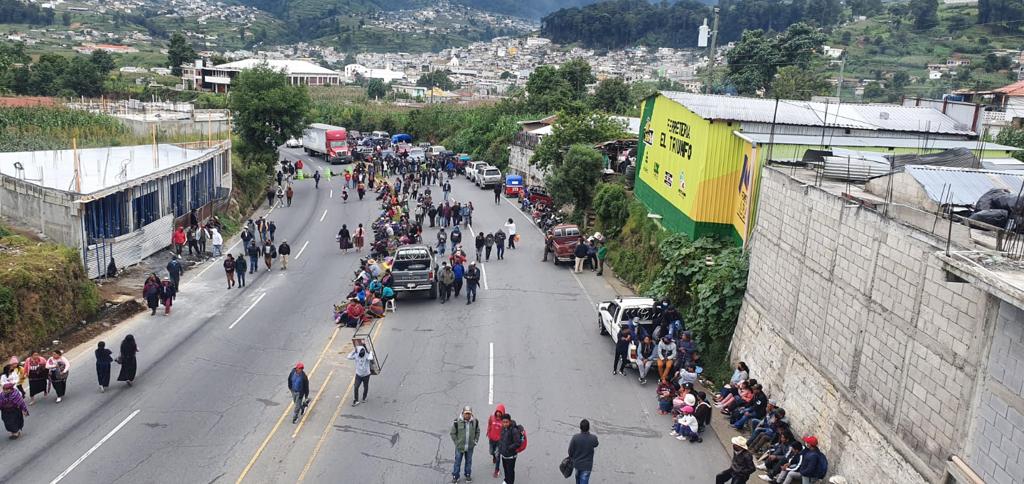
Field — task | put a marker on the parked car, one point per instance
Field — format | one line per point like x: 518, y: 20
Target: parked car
x: 293, y: 142
x: 471, y: 169
x: 565, y: 238
x: 613, y: 315
x: 417, y: 154
x: 488, y: 177
x: 414, y: 270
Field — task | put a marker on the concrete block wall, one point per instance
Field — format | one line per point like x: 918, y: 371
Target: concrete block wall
x: 49, y: 212
x: 850, y: 322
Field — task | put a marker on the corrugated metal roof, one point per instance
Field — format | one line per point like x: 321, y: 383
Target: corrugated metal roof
x: 295, y: 67
x: 807, y: 113
x: 962, y: 186
x: 880, y: 142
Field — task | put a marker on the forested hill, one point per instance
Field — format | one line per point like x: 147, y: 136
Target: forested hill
x: 622, y: 23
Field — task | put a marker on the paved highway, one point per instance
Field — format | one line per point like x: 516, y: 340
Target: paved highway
x: 210, y: 402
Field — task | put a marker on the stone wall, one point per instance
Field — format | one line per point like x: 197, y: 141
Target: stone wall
x: 851, y: 322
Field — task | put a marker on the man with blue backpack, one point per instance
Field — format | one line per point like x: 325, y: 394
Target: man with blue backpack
x: 811, y: 466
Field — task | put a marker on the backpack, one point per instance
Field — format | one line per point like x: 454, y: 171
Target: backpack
x: 522, y: 437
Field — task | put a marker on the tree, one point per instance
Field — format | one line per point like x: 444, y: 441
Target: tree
x: 505, y: 75
x: 103, y: 61
x: 65, y: 19
x: 82, y: 78
x: 612, y: 96
x: 46, y: 76
x: 376, y: 89
x: 925, y: 12
x: 866, y: 7
x: 752, y: 62
x: 546, y: 90
x: 575, y: 125
x: 267, y: 110
x: 437, y: 79
x: 792, y: 82
x: 349, y: 59
x: 577, y: 73
x: 575, y: 180
x: 1012, y: 137
x: 611, y: 205
x: 179, y: 52
x: 874, y: 90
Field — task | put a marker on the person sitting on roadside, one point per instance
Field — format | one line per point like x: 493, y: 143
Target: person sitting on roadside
x: 702, y: 411
x: 755, y: 408
x: 645, y: 357
x: 683, y: 399
x: 688, y: 374
x: 353, y: 315
x: 742, y: 393
x: 782, y: 455
x: 376, y: 309
x: 742, y: 372
x: 666, y: 354
x: 665, y: 392
x: 686, y: 426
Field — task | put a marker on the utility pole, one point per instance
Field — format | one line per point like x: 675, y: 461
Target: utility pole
x: 839, y: 85
x: 711, y: 50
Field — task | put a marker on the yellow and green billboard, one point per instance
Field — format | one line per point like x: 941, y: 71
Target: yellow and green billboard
x: 696, y: 173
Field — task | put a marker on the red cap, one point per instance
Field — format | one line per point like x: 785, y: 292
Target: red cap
x: 299, y: 365
x: 811, y: 441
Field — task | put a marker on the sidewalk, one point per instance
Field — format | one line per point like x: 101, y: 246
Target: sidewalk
x: 608, y: 286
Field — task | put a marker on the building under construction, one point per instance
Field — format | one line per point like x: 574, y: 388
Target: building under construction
x: 117, y: 203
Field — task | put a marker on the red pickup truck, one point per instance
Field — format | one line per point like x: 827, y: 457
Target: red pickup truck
x: 565, y: 238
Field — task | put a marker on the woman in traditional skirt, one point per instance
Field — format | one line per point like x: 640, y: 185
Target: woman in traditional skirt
x: 12, y: 410
x: 129, y: 365
x: 58, y: 367
x: 35, y: 365
x: 344, y: 239
x: 103, y: 361
x: 359, y: 238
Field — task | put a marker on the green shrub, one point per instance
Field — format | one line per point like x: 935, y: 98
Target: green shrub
x: 611, y: 204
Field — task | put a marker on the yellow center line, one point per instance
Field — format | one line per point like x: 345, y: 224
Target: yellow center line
x: 312, y: 404
x: 263, y: 445
x: 337, y: 411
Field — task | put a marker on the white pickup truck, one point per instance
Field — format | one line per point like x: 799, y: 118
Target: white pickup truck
x: 471, y: 169
x: 613, y: 315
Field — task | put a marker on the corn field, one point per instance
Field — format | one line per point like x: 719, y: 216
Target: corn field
x: 48, y: 128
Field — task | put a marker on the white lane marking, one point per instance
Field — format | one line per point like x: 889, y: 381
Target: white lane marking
x: 490, y: 374
x: 234, y: 245
x: 254, y: 303
x: 585, y: 293
x: 324, y: 215
x: 483, y: 275
x: 527, y: 217
x: 332, y: 193
x: 300, y: 250
x: 471, y: 233
x: 93, y: 449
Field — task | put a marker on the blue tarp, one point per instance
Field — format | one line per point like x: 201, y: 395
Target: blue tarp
x: 399, y: 138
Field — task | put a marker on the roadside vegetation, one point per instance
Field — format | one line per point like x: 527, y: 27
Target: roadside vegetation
x: 44, y: 292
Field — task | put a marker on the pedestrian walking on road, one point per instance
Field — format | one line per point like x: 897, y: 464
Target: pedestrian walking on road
x: 284, y: 250
x: 497, y: 193
x: 581, y: 452
x: 359, y: 238
x: 442, y: 241
x: 103, y: 361
x: 240, y: 269
x: 174, y: 271
x: 499, y: 243
x: 151, y: 290
x: 602, y: 254
x: 253, y: 251
x: 508, y: 447
x: 432, y: 214
x: 271, y: 229
x: 229, y: 270
x: 126, y: 358
x: 447, y: 190
x: 167, y: 295
x: 217, y: 240
x: 204, y: 235
x: 363, y: 358
x: 344, y: 239
x: 512, y: 235
x: 35, y: 365
x: 298, y: 384
x: 178, y: 239
x: 270, y: 196
x: 13, y: 410
x: 458, y: 270
x: 742, y: 464
x: 280, y: 195
x: 446, y: 278
x: 193, y: 244
x: 289, y: 193
x: 465, y: 434
x: 480, y: 243
x: 269, y: 254
x: 316, y: 179
x: 488, y: 244
x: 494, y: 435
x: 472, y: 277
x: 455, y: 237
x: 58, y: 368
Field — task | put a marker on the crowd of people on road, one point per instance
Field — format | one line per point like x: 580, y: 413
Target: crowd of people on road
x: 37, y: 374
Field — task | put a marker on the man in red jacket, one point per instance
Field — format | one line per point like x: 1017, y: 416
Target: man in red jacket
x: 178, y: 239
x: 494, y: 434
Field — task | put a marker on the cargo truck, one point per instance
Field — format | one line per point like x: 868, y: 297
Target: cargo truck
x: 330, y: 142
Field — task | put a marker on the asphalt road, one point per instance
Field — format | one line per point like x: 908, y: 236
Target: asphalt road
x: 210, y: 402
